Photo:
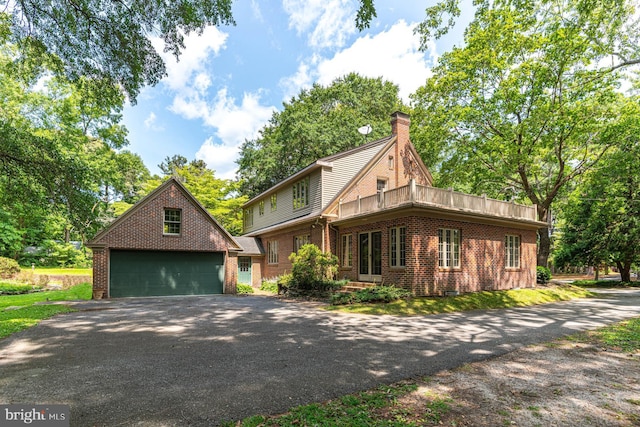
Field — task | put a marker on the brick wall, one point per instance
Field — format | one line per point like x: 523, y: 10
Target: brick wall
x: 482, y: 256
x: 142, y: 229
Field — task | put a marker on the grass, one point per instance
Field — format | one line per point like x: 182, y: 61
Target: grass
x: 378, y: 407
x: 29, y: 314
x: 50, y: 271
x: 604, y: 284
x: 471, y: 301
x: 14, y: 288
x: 623, y: 336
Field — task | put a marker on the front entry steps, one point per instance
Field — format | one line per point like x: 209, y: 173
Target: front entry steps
x: 356, y: 286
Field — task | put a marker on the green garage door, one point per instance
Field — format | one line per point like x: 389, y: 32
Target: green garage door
x: 149, y: 273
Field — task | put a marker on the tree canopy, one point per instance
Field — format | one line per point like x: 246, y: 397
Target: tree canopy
x: 601, y: 218
x: 525, y: 105
x: 110, y: 41
x: 318, y: 122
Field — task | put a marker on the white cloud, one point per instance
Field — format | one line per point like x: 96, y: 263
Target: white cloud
x: 198, y: 49
x: 232, y: 123
x: 301, y: 79
x: 151, y: 122
x: 328, y: 22
x: 393, y: 55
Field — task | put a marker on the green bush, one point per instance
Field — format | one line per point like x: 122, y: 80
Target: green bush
x: 374, y: 294
x: 312, y: 270
x: 543, y: 274
x: 65, y: 255
x: 15, y: 289
x: 269, y: 285
x: 243, y: 288
x: 8, y: 267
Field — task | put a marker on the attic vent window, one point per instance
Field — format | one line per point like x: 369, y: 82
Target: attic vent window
x: 172, y: 222
x: 391, y: 163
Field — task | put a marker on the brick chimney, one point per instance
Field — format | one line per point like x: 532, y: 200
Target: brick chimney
x: 400, y: 126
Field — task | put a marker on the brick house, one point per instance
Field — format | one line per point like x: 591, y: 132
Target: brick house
x: 166, y: 244
x: 375, y: 207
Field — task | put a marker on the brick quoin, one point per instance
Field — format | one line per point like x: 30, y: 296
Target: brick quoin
x: 141, y: 228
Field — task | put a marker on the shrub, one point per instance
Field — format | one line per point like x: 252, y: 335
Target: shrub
x: 382, y: 294
x: 8, y: 267
x: 29, y: 277
x: 65, y: 255
x: 15, y: 289
x: 269, y: 285
x: 312, y: 269
x: 543, y: 274
x: 243, y: 288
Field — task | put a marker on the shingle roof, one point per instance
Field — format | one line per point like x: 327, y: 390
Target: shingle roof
x: 250, y: 245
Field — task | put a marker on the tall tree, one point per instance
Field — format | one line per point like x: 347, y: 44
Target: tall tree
x: 602, y: 217
x: 318, y: 122
x: 524, y: 105
x: 53, y: 134
x: 110, y: 41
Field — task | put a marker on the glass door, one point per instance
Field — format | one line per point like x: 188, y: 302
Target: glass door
x: 370, y: 256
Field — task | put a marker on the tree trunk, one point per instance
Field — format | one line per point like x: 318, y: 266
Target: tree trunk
x: 625, y: 271
x: 597, y: 272
x: 544, y: 246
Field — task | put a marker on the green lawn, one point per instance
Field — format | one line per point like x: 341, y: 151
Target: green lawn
x: 61, y: 271
x: 471, y: 301
x: 14, y: 320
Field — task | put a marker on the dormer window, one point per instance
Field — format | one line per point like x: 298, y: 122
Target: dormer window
x: 172, y: 222
x: 301, y: 193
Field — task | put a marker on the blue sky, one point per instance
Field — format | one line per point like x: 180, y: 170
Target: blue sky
x: 230, y: 79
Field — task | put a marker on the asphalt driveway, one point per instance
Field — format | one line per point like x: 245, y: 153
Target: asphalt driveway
x: 202, y: 360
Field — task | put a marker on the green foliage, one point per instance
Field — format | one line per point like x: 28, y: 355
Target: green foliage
x: 376, y: 294
x: 318, y: 122
x: 269, y: 286
x: 10, y: 239
x: 602, y: 216
x: 526, y: 105
x: 8, y: 267
x: 112, y: 40
x: 15, y: 288
x: 243, y: 288
x: 65, y: 255
x: 471, y: 301
x: 543, y: 274
x: 312, y: 269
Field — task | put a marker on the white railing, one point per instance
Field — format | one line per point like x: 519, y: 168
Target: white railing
x: 438, y: 197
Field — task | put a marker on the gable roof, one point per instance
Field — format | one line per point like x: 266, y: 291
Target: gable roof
x: 393, y: 139
x: 149, y: 197
x: 323, y: 162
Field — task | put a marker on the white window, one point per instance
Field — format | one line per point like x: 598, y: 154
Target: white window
x: 272, y: 252
x: 346, y: 254
x: 172, y: 221
x: 248, y: 218
x: 274, y: 202
x: 301, y: 193
x: 398, y: 246
x: 300, y: 241
x: 512, y: 251
x: 448, y: 248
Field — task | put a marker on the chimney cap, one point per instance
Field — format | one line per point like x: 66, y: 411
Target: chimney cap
x: 399, y: 115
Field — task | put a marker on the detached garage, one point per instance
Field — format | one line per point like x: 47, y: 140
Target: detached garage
x: 166, y: 244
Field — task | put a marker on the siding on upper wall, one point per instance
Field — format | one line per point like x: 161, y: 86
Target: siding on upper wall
x: 344, y: 170
x: 284, y: 204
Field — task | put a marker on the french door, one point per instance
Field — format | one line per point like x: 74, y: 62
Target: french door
x: 370, y: 256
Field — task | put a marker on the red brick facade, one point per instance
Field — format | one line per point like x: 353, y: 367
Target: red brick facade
x: 482, y: 251
x: 482, y: 256
x: 141, y: 228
